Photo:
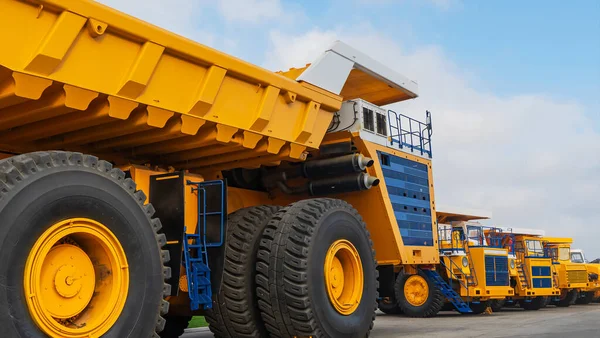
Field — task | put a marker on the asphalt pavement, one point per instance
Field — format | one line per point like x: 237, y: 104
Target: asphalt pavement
x: 578, y: 321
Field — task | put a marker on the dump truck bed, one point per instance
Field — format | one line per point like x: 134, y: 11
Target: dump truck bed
x: 80, y: 76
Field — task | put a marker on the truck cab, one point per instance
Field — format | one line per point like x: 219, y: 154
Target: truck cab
x: 532, y: 277
x: 475, y: 261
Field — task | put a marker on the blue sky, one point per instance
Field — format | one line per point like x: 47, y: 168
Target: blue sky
x: 514, y: 87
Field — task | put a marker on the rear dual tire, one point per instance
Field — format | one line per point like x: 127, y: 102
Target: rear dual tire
x: 299, y: 245
x: 235, y: 309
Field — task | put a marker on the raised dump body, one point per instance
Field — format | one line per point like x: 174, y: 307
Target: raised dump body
x: 214, y: 193
x: 79, y: 75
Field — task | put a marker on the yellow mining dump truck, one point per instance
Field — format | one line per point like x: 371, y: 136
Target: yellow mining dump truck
x: 592, y: 292
x: 572, y: 277
x: 474, y: 260
x: 207, y: 197
x: 532, y: 274
x: 576, y: 282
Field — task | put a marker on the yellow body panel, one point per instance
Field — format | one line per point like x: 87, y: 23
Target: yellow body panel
x: 594, y: 285
x: 85, y: 77
x: 570, y: 275
x: 376, y: 209
x: 529, y: 274
x: 477, y: 257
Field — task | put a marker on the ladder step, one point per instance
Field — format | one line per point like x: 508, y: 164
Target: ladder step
x: 210, y: 213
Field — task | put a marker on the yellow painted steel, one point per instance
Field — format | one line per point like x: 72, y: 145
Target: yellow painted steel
x: 76, y: 279
x: 344, y: 277
x: 376, y: 209
x: 526, y: 258
x: 82, y: 75
x: 416, y: 290
x: 569, y: 275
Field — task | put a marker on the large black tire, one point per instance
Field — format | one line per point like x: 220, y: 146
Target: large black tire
x: 235, y: 309
x: 546, y: 301
x: 497, y: 304
x: 585, y: 298
x: 431, y: 307
x: 40, y: 189
x: 567, y: 298
x: 292, y: 293
x: 175, y: 326
x: 448, y: 306
x: 478, y: 308
x: 389, y: 306
x: 535, y: 304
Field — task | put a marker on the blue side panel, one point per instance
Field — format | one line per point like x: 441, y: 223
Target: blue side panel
x: 542, y: 282
x: 496, y: 271
x: 543, y: 271
x: 407, y: 183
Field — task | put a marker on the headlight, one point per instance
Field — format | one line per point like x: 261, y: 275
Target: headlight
x: 465, y: 262
x: 512, y: 263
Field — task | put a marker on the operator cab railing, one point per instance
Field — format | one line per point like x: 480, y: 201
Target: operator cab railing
x: 453, y: 238
x: 406, y: 132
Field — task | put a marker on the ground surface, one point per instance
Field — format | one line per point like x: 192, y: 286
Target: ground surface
x: 581, y: 321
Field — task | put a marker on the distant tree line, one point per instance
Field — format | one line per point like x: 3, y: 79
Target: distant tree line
x: 597, y: 260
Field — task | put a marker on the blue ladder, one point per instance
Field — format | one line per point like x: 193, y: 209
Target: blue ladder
x: 448, y: 292
x: 198, y: 272
x: 195, y: 247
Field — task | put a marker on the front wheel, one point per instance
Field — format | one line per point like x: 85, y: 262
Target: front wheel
x: 85, y: 258
x: 534, y: 305
x: 389, y: 306
x: 417, y: 295
x: 567, y: 298
x: 497, y: 304
x: 479, y: 308
x: 585, y: 298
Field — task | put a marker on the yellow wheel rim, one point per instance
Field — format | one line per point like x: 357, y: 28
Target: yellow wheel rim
x: 416, y: 290
x: 76, y: 279
x: 344, y: 276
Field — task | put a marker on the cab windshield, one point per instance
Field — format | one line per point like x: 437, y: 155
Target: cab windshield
x: 577, y: 257
x: 564, y: 254
x: 534, y: 248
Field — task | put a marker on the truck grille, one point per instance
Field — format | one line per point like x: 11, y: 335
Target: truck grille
x: 496, y: 271
x: 577, y: 276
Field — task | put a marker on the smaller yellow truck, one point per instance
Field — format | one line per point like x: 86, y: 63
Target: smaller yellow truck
x: 475, y: 262
x: 591, y: 293
x: 532, y: 276
x: 572, y: 277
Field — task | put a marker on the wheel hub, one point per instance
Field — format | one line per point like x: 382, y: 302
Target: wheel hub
x: 344, y: 277
x: 416, y: 290
x: 76, y: 279
x: 72, y: 287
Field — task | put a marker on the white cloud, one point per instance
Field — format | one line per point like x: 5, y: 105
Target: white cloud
x: 178, y: 16
x: 252, y: 11
x: 531, y: 159
x: 442, y: 4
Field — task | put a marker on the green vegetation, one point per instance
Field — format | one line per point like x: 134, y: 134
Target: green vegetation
x: 197, y: 322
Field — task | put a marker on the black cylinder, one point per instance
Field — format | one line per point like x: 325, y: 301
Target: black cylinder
x: 337, y: 166
x: 337, y: 185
